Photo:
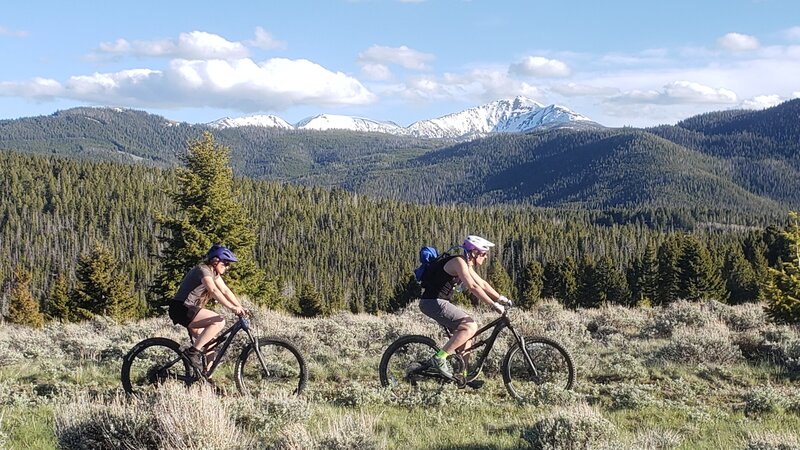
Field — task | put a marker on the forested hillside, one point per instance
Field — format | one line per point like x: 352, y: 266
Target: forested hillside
x: 742, y: 161
x: 358, y: 253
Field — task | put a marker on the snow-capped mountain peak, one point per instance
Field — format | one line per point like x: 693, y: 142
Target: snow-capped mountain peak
x: 515, y: 115
x: 337, y: 122
x: 255, y: 121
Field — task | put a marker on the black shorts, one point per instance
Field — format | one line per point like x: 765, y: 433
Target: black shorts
x: 182, y: 314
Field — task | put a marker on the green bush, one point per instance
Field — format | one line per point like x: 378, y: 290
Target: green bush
x: 576, y: 427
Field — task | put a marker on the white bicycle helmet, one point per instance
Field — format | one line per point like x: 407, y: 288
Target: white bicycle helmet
x: 472, y: 242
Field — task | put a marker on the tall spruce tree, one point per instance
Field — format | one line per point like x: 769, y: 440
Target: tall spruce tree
x: 668, y: 271
x: 102, y: 289
x: 208, y: 213
x: 740, y: 277
x: 499, y: 278
x: 310, y: 301
x: 23, y: 309
x: 782, y: 290
x: 58, y: 305
x: 700, y: 277
x: 532, y: 282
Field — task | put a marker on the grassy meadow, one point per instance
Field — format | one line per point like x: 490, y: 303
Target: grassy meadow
x: 686, y: 376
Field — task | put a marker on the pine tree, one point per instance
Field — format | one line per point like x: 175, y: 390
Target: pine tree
x: 101, y: 288
x: 668, y: 272
x: 740, y: 278
x: 782, y: 290
x: 209, y: 213
x: 699, y: 277
x: 23, y: 309
x: 643, y: 278
x: 532, y: 283
x: 405, y: 293
x: 59, y: 305
x: 561, y: 281
x: 310, y: 301
x: 499, y: 278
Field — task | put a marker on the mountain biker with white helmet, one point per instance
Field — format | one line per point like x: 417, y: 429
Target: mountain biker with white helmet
x: 439, y: 280
x: 202, y: 283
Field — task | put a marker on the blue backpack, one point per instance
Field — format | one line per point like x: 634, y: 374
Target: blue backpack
x: 427, y: 255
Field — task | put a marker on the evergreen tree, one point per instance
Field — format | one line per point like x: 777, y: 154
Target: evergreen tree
x: 405, y: 293
x: 532, y: 283
x: 23, y: 309
x: 561, y: 282
x: 643, y: 278
x: 499, y: 279
x: 58, y: 305
x: 590, y: 293
x: 209, y: 213
x: 668, y: 271
x: 740, y: 278
x: 612, y: 282
x: 310, y: 301
x: 700, y: 278
x: 782, y: 290
x: 102, y: 289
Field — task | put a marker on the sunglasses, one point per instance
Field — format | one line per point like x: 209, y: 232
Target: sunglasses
x: 484, y: 254
x: 225, y: 263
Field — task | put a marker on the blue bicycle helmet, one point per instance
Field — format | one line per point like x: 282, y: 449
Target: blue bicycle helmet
x: 223, y: 253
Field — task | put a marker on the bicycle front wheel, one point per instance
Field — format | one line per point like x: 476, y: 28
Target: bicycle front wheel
x: 402, y: 368
x: 284, y: 368
x: 552, y: 364
x: 153, y: 362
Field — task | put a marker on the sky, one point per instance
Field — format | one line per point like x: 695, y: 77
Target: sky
x: 621, y: 63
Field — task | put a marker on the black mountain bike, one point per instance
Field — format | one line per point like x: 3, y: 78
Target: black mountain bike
x: 267, y: 364
x: 529, y: 363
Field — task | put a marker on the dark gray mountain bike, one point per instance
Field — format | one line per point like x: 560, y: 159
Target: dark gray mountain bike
x: 267, y: 364
x: 529, y: 363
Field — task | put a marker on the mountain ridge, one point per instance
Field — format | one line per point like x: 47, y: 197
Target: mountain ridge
x: 516, y: 115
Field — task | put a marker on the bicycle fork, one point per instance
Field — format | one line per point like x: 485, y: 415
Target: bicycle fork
x: 258, y: 352
x: 525, y: 354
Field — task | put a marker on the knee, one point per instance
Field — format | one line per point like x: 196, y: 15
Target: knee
x: 468, y: 325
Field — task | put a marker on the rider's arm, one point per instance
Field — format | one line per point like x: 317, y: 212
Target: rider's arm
x: 219, y: 290
x: 493, y: 294
x: 471, y: 281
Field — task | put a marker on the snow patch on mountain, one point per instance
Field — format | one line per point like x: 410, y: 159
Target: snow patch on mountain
x: 252, y: 121
x: 515, y: 115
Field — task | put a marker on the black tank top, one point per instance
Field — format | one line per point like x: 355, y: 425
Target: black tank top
x: 437, y: 282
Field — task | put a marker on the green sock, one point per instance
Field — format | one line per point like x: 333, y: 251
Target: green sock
x: 441, y: 354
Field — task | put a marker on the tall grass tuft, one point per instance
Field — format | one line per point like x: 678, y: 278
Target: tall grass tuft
x: 352, y: 433
x: 576, y: 427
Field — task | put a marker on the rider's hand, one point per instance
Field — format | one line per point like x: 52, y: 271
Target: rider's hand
x: 239, y: 311
x: 498, y: 307
x: 503, y: 300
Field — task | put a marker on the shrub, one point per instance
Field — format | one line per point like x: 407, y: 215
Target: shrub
x: 762, y: 399
x: 680, y: 314
x: 619, y: 367
x: 711, y: 344
x: 772, y: 441
x: 631, y: 396
x: 294, y: 436
x: 263, y: 415
x: 657, y: 439
x: 352, y: 433
x: 576, y: 427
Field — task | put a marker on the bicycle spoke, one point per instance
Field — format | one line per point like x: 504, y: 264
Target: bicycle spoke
x: 151, y: 363
x: 552, y: 365
x: 283, y: 369
x: 404, y: 372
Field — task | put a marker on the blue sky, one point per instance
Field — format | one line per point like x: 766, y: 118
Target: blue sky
x: 636, y: 63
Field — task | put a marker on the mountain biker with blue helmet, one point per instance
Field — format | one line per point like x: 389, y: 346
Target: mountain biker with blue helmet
x: 439, y: 281
x: 202, y: 283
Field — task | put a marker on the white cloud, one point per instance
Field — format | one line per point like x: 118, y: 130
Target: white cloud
x: 376, y: 72
x: 738, y: 42
x: 192, y: 45
x: 762, y: 101
x: 678, y: 92
x: 241, y: 85
x: 36, y: 89
x: 575, y: 90
x: 265, y: 41
x: 478, y: 85
x: 539, y: 66
x: 792, y: 34
x: 12, y: 33
x: 796, y: 94
x: 401, y: 56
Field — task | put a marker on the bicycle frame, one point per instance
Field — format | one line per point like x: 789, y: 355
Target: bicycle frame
x: 497, y: 326
x: 225, y: 338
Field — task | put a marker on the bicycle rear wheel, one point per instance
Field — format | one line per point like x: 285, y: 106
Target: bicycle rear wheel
x: 152, y: 362
x: 552, y: 364
x: 402, y: 368
x: 284, y: 368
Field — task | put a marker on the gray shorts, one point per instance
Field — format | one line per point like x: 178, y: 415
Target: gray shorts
x: 447, y: 314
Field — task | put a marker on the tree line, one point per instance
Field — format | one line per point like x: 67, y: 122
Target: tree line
x: 95, y: 238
